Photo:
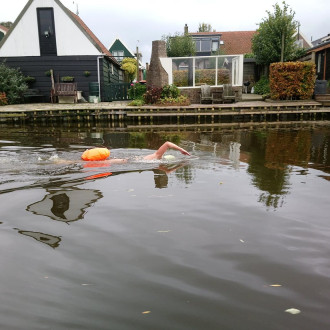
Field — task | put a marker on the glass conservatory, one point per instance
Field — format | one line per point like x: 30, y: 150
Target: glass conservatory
x: 199, y: 70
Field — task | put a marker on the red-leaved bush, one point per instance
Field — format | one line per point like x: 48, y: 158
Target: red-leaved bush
x: 292, y: 80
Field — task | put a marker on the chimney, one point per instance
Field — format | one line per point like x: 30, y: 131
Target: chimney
x: 186, y: 29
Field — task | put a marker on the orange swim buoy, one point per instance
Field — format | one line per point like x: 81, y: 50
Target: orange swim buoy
x: 96, y: 154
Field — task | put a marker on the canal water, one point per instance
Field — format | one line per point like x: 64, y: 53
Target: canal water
x: 235, y: 237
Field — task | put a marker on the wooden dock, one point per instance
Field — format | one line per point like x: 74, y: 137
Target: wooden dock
x: 124, y: 114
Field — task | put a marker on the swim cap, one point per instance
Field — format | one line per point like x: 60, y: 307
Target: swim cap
x: 96, y: 154
x: 169, y: 157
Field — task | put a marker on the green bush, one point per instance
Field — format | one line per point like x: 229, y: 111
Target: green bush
x: 67, y: 79
x: 170, y: 91
x: 181, y: 100
x: 12, y: 82
x: 261, y: 87
x: 137, y: 91
x: 137, y: 103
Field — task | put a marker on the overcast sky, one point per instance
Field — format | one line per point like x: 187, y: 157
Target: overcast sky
x: 138, y: 23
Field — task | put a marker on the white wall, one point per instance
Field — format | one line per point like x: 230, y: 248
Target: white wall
x: 24, y: 39
x: 166, y: 63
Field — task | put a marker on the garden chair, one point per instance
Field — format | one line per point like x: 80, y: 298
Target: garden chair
x: 228, y: 93
x: 206, y: 96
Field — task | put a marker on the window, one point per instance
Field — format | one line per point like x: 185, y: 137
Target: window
x: 121, y: 76
x: 319, y: 62
x: 118, y: 55
x: 46, y: 28
x: 206, y: 44
x: 211, y: 70
x: 215, y: 45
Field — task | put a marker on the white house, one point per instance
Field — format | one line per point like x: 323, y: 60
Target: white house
x: 46, y: 35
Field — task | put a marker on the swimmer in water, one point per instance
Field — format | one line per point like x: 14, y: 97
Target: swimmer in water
x: 158, y: 154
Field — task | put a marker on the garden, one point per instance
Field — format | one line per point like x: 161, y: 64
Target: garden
x: 165, y: 96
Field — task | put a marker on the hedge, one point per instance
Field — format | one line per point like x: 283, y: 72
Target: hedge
x: 292, y: 80
x: 202, y: 76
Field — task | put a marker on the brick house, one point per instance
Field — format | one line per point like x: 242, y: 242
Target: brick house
x: 228, y: 43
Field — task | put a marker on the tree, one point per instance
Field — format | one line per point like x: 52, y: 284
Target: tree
x: 275, y: 40
x: 8, y: 25
x: 12, y: 82
x: 129, y: 65
x: 204, y: 27
x: 179, y: 45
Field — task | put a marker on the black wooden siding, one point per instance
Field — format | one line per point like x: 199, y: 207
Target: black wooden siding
x: 63, y: 66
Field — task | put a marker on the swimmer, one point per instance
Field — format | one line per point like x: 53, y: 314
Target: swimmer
x: 158, y: 154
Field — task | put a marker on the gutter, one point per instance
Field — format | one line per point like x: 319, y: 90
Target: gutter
x: 98, y: 74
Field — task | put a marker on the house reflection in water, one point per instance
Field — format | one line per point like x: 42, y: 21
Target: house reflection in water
x: 65, y: 205
x: 50, y: 240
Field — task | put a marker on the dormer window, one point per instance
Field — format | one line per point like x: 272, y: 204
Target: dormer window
x: 206, y: 44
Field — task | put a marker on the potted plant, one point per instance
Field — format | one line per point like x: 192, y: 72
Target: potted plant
x: 30, y: 80
x: 67, y: 79
x: 87, y: 73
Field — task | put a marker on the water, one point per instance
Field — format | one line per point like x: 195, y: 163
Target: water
x: 227, y: 239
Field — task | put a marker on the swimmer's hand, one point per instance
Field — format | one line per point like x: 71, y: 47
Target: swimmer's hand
x: 185, y: 152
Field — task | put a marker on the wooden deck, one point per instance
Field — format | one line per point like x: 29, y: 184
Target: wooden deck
x: 129, y: 115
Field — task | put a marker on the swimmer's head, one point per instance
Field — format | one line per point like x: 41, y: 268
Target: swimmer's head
x: 96, y: 154
x: 169, y: 157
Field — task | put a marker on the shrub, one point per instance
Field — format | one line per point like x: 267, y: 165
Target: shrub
x: 180, y: 78
x: 202, y: 76
x: 170, y: 91
x: 30, y: 80
x: 12, y: 83
x: 152, y: 95
x: 3, y: 99
x: 178, y: 101
x: 137, y: 103
x: 137, y: 91
x: 261, y: 87
x: 292, y: 80
x: 67, y: 79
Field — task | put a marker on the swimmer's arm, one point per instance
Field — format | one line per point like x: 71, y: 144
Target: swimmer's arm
x: 117, y: 161
x: 167, y: 145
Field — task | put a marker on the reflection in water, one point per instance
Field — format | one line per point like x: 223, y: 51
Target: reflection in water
x: 268, y: 153
x: 161, y: 179
x: 269, y: 176
x: 61, y: 203
x: 50, y: 240
x: 65, y: 205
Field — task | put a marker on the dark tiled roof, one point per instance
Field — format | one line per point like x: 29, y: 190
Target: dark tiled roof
x: 320, y: 47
